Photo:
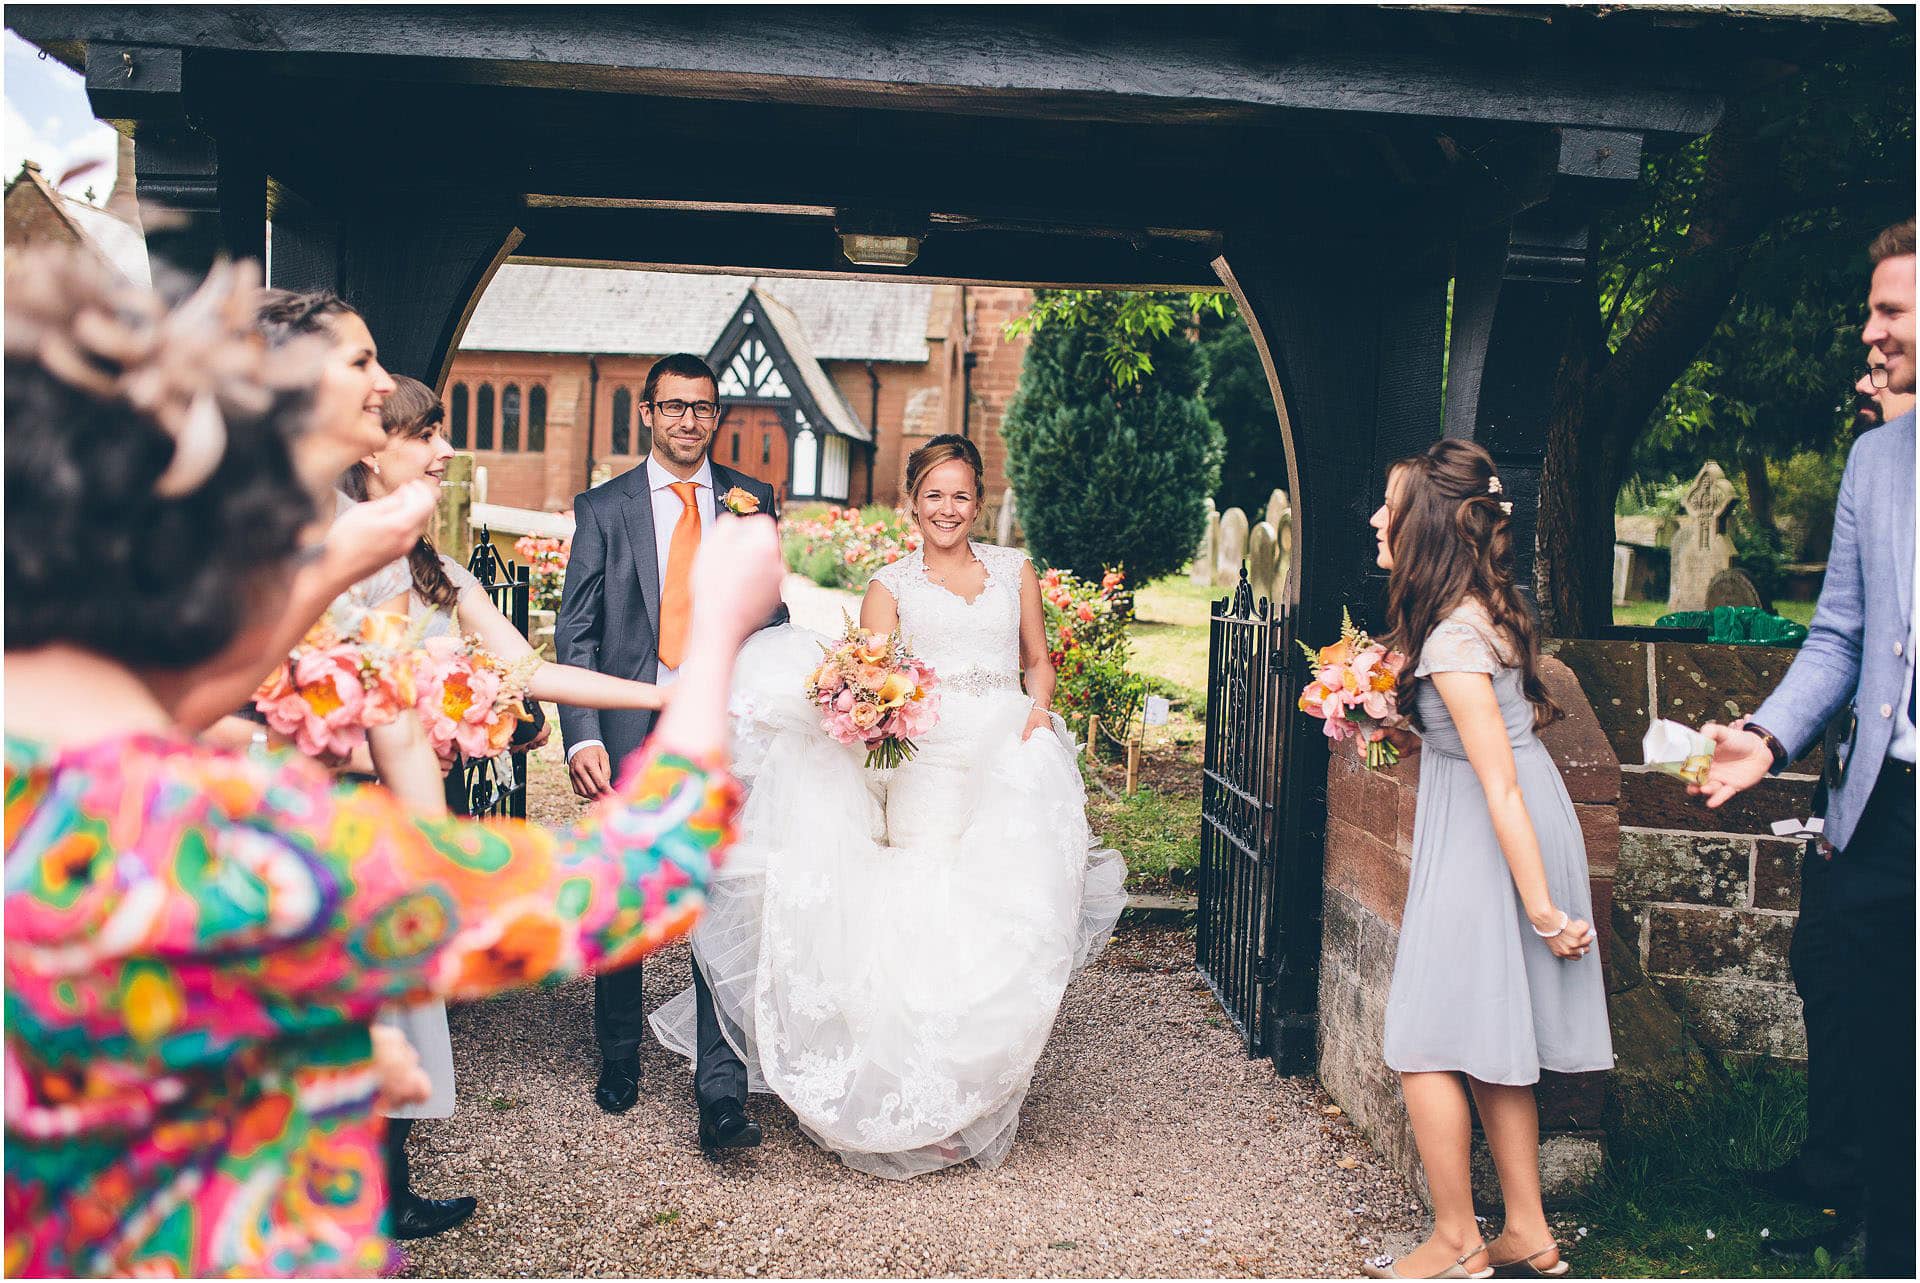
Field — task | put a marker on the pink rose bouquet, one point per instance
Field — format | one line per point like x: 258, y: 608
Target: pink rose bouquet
x: 1355, y: 691
x: 871, y: 690
x: 335, y: 685
x: 469, y: 699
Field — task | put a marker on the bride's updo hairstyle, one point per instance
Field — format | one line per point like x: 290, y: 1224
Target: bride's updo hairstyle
x: 1452, y: 541
x: 151, y: 499
x: 944, y: 448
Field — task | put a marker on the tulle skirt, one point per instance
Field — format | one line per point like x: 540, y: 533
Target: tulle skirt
x: 887, y: 950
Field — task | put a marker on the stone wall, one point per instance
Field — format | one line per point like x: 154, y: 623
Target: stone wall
x: 1369, y: 842
x: 1707, y: 899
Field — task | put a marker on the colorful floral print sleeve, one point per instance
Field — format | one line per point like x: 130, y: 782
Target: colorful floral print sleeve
x: 195, y: 942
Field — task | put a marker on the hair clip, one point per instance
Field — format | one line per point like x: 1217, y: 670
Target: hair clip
x: 1506, y: 506
x: 1493, y: 485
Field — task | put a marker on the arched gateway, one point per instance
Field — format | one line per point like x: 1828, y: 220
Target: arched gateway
x: 1348, y: 173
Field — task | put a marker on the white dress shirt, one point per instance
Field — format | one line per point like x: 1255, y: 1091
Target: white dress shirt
x: 666, y: 515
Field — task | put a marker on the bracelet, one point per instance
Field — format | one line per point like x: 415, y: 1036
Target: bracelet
x: 1565, y: 918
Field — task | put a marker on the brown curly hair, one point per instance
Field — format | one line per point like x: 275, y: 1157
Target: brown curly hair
x: 1452, y: 541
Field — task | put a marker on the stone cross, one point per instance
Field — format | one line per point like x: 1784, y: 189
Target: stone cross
x: 1232, y: 549
x: 1701, y: 548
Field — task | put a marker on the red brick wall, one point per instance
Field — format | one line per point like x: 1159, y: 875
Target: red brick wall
x: 996, y: 371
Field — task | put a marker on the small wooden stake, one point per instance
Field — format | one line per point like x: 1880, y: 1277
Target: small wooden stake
x: 1093, y: 737
x: 1133, y: 764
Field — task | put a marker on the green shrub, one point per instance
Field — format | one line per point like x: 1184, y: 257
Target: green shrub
x: 1110, y: 476
x: 1086, y: 624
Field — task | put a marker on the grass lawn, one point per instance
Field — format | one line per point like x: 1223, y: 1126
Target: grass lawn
x: 1641, y: 614
x: 1670, y: 1202
x: 1170, y: 634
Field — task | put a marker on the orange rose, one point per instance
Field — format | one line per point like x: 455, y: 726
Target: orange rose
x: 1338, y: 653
x: 740, y: 502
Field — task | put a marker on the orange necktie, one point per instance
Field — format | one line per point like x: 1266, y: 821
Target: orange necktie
x: 676, y: 595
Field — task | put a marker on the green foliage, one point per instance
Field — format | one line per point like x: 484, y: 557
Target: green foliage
x: 1109, y: 474
x: 1776, y: 377
x: 1127, y: 325
x: 1158, y: 833
x: 1806, y: 490
x: 1086, y: 626
x: 1670, y: 1203
x: 1237, y: 396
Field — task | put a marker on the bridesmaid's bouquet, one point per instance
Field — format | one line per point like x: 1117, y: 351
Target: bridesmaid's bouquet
x: 470, y: 700
x: 1355, y: 691
x: 871, y: 690
x: 336, y: 684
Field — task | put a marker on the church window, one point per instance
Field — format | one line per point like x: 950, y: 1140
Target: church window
x: 537, y: 418
x: 483, y: 418
x: 457, y: 430
x: 510, y: 417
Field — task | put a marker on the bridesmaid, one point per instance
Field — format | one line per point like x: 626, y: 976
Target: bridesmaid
x: 1496, y: 978
x: 197, y: 940
x: 451, y: 599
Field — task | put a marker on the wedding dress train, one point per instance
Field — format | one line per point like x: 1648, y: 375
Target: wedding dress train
x: 887, y: 950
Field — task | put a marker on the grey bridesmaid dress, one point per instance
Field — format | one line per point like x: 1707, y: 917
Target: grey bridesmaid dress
x: 1474, y: 989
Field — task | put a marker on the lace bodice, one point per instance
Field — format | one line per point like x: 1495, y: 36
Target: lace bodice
x: 970, y: 644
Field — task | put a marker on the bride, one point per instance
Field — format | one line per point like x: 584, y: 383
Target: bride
x: 887, y: 950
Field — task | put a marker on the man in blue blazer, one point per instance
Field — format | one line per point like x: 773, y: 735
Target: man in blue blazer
x: 1853, y: 948
x: 622, y: 612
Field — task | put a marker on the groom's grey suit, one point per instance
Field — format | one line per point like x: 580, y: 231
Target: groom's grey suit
x: 609, y: 622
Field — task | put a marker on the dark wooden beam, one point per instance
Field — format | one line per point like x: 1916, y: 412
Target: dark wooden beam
x: 1147, y: 63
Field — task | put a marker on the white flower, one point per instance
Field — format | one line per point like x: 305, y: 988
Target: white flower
x: 1709, y: 1236
x: 1493, y: 485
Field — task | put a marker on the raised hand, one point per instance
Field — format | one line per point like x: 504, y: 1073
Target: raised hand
x: 1741, y: 760
x: 736, y: 582
x: 369, y: 535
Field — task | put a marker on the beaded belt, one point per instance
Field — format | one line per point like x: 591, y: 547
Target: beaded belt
x: 979, y: 681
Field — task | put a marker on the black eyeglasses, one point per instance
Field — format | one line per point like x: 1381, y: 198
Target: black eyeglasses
x: 1877, y: 375
x: 705, y: 411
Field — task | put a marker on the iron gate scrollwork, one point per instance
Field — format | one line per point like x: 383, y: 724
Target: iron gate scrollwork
x: 1252, y: 925
x: 497, y: 786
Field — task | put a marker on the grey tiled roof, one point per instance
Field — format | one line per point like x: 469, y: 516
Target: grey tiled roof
x: 535, y: 308
x: 820, y: 386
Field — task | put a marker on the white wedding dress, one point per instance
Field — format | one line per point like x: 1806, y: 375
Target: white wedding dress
x: 887, y: 950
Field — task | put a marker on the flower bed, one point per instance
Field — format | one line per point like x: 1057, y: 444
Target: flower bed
x: 842, y: 547
x: 1087, y: 638
x: 548, y: 558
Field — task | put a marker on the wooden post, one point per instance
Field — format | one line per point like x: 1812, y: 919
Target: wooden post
x: 1093, y: 737
x: 1133, y: 764
x: 453, y: 515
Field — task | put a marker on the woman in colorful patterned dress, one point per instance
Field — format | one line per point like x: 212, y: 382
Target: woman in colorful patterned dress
x: 197, y: 941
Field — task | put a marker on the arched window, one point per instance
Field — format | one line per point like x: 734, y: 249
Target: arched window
x: 806, y: 463
x: 537, y: 418
x: 483, y: 418
x: 752, y: 374
x: 622, y: 421
x: 457, y: 430
x: 510, y: 417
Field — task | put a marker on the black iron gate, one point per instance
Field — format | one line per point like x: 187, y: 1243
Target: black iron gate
x: 1258, y: 929
x: 497, y: 786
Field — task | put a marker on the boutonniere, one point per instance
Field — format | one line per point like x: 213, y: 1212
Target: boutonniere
x: 741, y: 503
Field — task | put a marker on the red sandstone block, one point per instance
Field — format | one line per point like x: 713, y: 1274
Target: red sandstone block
x: 1346, y: 790
x: 1577, y: 741
x: 1367, y: 869
x: 1382, y: 802
x: 1600, y: 827
x: 1406, y: 808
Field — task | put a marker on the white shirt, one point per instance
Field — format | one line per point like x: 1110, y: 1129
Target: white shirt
x: 666, y: 515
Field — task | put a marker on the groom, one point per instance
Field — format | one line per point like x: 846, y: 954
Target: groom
x: 624, y: 612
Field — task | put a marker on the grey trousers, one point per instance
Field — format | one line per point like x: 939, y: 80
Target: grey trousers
x: 718, y: 1072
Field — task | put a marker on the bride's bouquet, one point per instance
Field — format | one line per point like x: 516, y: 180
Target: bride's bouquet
x: 871, y: 690
x: 336, y: 684
x: 470, y: 700
x: 1355, y: 690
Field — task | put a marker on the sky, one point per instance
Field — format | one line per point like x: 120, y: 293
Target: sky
x: 47, y: 120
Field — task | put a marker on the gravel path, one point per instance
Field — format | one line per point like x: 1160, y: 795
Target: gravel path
x: 1149, y: 1147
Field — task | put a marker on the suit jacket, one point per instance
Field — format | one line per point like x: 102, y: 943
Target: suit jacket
x: 1859, y: 648
x: 609, y: 618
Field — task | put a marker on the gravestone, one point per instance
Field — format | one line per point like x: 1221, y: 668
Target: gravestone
x: 1263, y: 562
x: 1283, y: 531
x: 1276, y: 504
x: 1701, y: 548
x: 1732, y: 588
x: 1201, y: 571
x: 1232, y: 550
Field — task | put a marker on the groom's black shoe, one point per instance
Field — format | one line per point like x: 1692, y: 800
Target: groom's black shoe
x: 619, y: 1084
x: 726, y: 1126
